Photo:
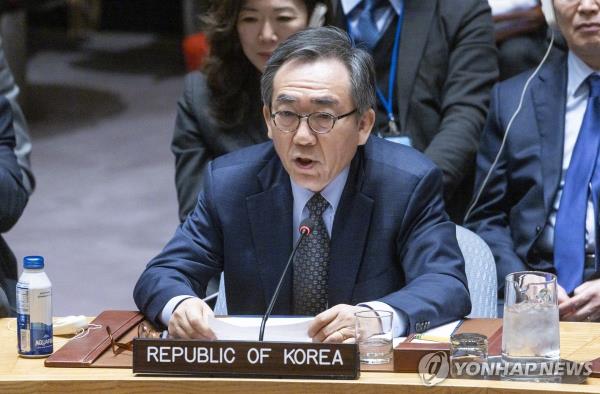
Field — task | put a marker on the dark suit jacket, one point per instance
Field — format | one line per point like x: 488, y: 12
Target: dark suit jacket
x: 514, y: 207
x: 13, y: 198
x: 197, y: 139
x: 391, y: 240
x: 10, y: 90
x: 447, y: 64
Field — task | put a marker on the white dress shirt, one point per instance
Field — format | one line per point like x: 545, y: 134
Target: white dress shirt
x: 577, y: 96
x: 500, y: 7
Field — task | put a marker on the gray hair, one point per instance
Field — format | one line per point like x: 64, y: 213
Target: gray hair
x: 325, y: 43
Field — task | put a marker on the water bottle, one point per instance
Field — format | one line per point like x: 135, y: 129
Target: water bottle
x: 34, y: 309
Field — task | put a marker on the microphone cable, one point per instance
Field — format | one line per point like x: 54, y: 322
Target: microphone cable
x: 305, y: 230
x: 508, y: 128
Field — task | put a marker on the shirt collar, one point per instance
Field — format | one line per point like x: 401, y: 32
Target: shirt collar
x: 578, y: 72
x: 349, y: 5
x: 332, y: 192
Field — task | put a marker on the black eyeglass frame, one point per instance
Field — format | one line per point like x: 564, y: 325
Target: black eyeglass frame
x: 307, y: 117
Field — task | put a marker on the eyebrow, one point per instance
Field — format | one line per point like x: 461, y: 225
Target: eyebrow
x: 325, y: 100
x: 284, y: 98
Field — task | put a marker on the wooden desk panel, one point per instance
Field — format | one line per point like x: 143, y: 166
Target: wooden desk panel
x: 579, y: 341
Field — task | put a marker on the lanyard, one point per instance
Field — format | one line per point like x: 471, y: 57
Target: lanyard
x: 388, y: 102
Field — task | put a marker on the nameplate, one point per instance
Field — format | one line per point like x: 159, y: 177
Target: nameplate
x: 245, y: 359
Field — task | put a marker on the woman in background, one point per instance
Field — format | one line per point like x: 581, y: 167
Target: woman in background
x: 221, y: 109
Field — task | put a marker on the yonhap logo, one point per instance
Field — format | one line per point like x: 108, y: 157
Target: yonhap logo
x: 434, y: 368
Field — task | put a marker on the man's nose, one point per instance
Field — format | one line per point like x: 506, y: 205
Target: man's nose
x: 304, y: 135
x: 587, y: 6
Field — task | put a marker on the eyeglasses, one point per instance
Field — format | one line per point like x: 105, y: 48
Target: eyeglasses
x: 319, y: 122
x: 144, y: 330
x: 118, y: 345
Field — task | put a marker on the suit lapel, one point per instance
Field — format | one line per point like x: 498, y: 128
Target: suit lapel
x: 349, y: 235
x: 418, y: 16
x: 549, y: 95
x: 270, y: 215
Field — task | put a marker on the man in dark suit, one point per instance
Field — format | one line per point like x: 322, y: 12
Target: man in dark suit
x: 13, y: 198
x: 10, y: 90
x: 446, y: 66
x: 380, y: 240
x: 537, y: 210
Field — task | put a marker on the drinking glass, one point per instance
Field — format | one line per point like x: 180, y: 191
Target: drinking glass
x: 530, y: 326
x: 374, y: 336
x: 468, y: 350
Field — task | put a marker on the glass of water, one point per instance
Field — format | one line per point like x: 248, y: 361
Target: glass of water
x: 531, y: 326
x: 468, y: 353
x: 374, y: 336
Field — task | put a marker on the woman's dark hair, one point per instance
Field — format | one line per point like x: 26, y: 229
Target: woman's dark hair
x: 233, y: 81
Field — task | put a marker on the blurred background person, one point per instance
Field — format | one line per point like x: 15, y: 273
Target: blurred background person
x: 13, y: 198
x: 13, y: 135
x: 10, y: 90
x: 436, y: 63
x: 220, y: 109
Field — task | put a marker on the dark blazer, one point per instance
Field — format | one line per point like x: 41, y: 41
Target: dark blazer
x: 391, y: 239
x: 515, y: 204
x: 10, y: 90
x: 197, y: 139
x: 447, y: 65
x: 13, y: 198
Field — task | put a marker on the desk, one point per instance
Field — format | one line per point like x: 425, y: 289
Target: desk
x: 578, y: 341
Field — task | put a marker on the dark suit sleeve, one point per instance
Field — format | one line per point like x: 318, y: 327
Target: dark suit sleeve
x: 13, y: 196
x: 188, y: 261
x: 472, y: 70
x: 490, y: 216
x: 10, y: 90
x: 436, y: 289
x: 191, y: 153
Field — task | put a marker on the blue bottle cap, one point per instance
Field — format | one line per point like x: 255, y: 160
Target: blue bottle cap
x: 33, y: 262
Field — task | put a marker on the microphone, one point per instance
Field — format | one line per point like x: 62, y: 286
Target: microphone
x: 305, y: 230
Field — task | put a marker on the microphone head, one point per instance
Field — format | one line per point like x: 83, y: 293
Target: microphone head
x: 306, y: 226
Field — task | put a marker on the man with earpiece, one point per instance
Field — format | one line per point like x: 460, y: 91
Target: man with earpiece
x: 538, y: 168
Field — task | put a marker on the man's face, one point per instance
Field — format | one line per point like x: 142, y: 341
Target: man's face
x: 579, y: 22
x: 313, y: 160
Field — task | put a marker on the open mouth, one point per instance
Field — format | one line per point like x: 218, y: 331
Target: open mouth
x: 303, y: 162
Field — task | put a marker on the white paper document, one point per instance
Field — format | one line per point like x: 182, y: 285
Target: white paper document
x: 280, y: 329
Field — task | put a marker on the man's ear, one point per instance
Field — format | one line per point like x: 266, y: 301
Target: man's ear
x: 267, y: 116
x: 365, y: 125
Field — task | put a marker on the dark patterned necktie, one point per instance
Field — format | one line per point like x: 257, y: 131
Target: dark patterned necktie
x: 311, y: 263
